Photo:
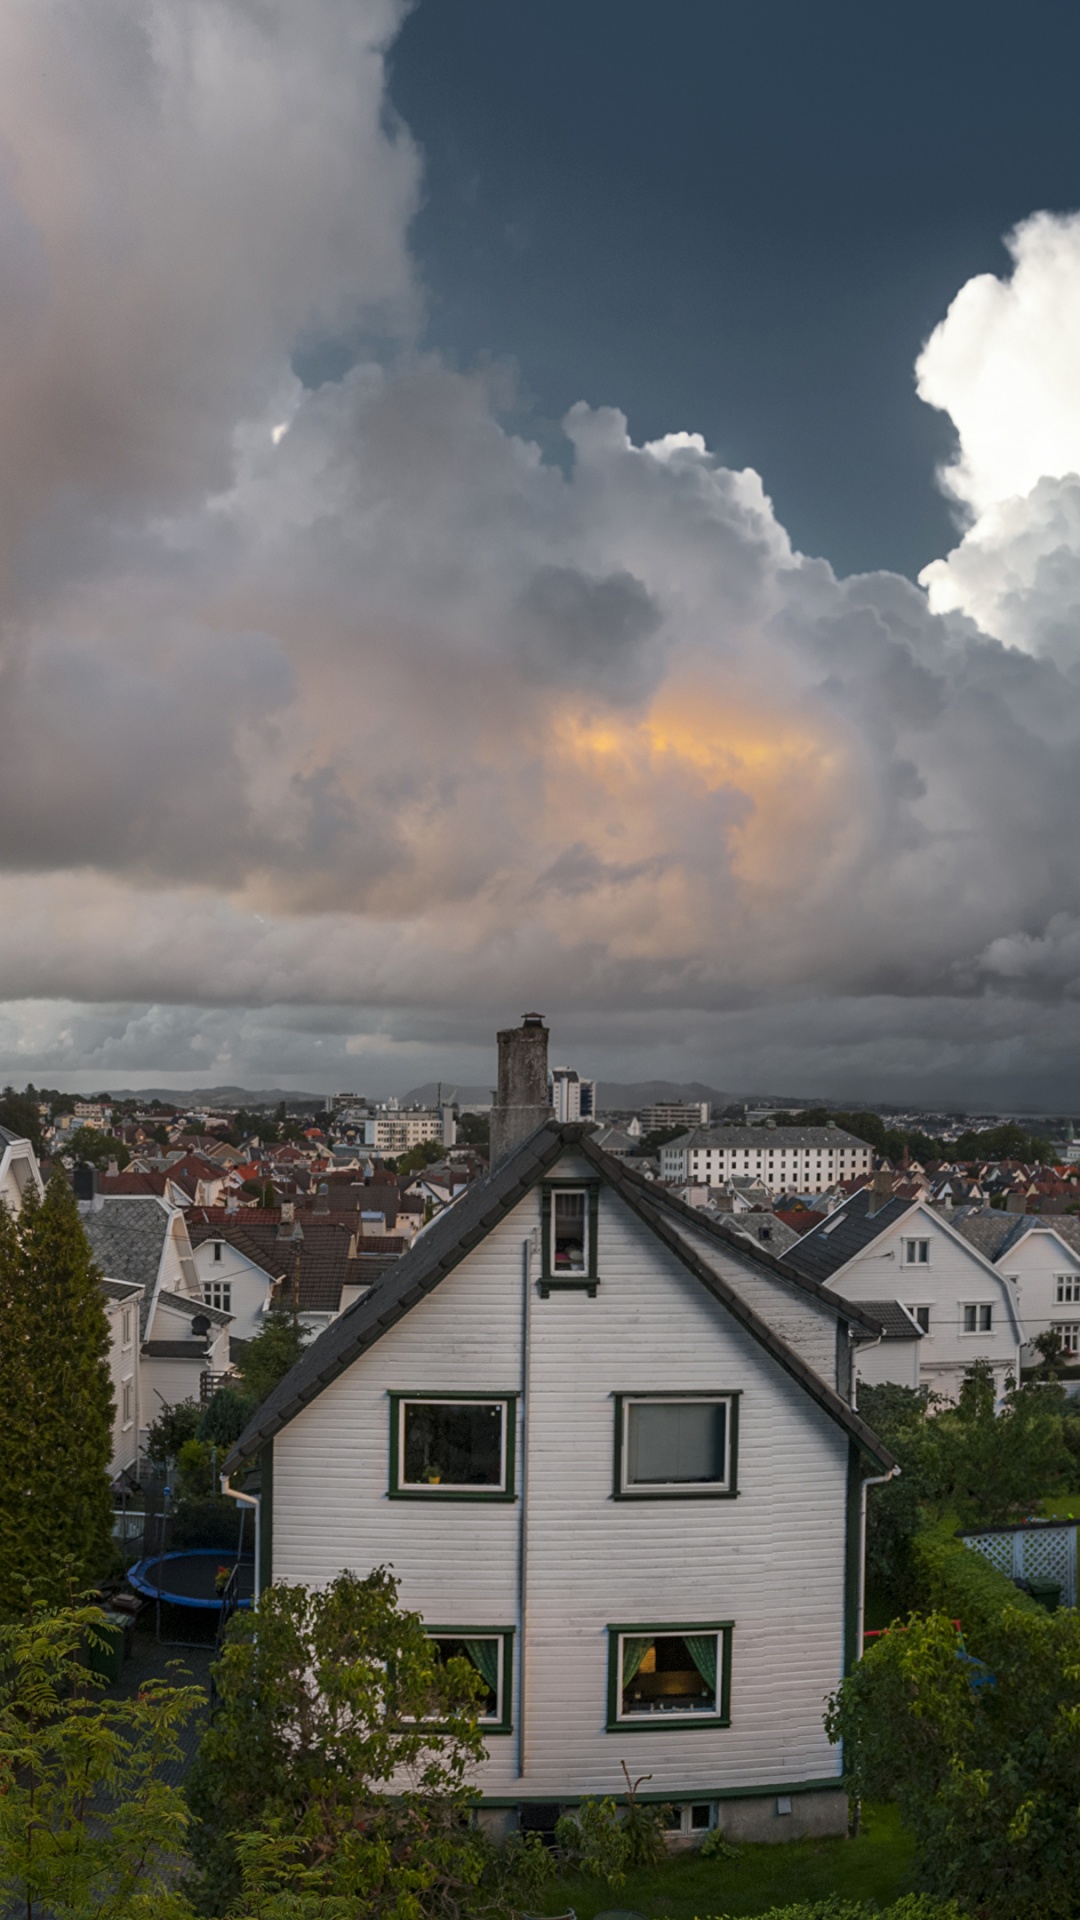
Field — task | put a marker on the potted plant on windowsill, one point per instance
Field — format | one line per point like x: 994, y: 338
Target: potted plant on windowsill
x: 433, y: 1476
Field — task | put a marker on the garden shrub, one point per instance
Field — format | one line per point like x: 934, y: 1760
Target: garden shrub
x: 954, y: 1579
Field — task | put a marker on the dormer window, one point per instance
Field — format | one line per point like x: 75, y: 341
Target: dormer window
x: 569, y: 1232
x: 218, y: 1247
x: 571, y: 1213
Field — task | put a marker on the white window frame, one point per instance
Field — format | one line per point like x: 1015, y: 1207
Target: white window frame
x: 126, y: 1322
x: 499, y: 1721
x: 1069, y: 1331
x: 127, y: 1402
x: 218, y: 1246
x: 917, y: 1259
x: 627, y: 1489
x: 454, y: 1489
x: 670, y: 1717
x: 559, y: 1273
x: 978, y: 1308
x: 915, y: 1308
x: 1066, y: 1289
x: 222, y: 1289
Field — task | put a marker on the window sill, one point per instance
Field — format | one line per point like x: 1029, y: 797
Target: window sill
x: 493, y: 1496
x: 566, y: 1283
x: 667, y: 1722
x: 676, y: 1493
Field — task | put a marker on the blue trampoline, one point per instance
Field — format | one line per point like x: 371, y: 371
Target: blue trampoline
x: 189, y: 1578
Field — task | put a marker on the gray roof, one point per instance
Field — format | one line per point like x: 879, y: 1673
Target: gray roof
x: 452, y: 1235
x: 175, y: 1349
x: 896, y: 1321
x: 765, y: 1137
x: 8, y: 1139
x: 126, y: 1238
x: 188, y: 1303
x: 994, y: 1232
x: 766, y: 1229
x: 119, y: 1289
x: 825, y: 1249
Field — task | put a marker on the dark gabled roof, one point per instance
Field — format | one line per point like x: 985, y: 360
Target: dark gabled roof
x: 120, y: 1289
x: 896, y: 1322
x: 9, y: 1139
x: 825, y: 1249
x: 175, y: 1349
x: 452, y: 1235
x: 753, y: 1139
x: 262, y: 1251
x: 126, y: 1238
x: 187, y: 1303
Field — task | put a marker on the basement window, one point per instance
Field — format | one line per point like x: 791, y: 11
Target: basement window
x: 452, y: 1447
x: 679, y: 1445
x: 670, y: 1675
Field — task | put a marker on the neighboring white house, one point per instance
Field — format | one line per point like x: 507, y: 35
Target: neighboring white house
x: 787, y: 1159
x: 144, y: 1242
x: 1041, y: 1257
x: 18, y: 1169
x: 236, y: 1274
x: 607, y: 1446
x: 878, y: 1251
x: 122, y: 1300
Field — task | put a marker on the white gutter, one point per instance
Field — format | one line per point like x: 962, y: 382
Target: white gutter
x: 255, y: 1500
x: 529, y: 1248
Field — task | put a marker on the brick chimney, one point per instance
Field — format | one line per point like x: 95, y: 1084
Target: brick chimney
x: 881, y: 1192
x: 521, y: 1100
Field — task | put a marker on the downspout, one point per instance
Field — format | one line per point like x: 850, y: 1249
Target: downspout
x: 875, y: 1480
x: 528, y: 1248
x: 249, y: 1500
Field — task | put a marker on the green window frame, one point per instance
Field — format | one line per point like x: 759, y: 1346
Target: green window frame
x: 552, y: 1279
x: 728, y: 1489
x: 671, y: 1720
x: 400, y: 1489
x: 502, y: 1720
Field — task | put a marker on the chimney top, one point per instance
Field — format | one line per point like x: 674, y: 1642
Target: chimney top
x: 521, y: 1101
x: 881, y: 1192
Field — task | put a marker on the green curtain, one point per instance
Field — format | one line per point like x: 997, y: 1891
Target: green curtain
x: 702, y: 1650
x: 633, y: 1653
x: 484, y: 1655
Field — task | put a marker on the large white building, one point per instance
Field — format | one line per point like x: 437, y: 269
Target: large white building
x: 610, y: 1451
x: 572, y: 1098
x: 787, y: 1159
x: 396, y: 1130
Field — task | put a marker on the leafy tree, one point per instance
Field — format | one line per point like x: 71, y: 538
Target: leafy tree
x: 1007, y: 1142
x: 474, y: 1130
x: 980, y: 1754
x: 336, y: 1766
x: 659, y: 1137
x: 89, y: 1147
x: 225, y: 1417
x: 90, y: 1828
x: 56, y: 1403
x: 174, y: 1426
x: 268, y: 1357
x: 19, y: 1114
x: 424, y: 1154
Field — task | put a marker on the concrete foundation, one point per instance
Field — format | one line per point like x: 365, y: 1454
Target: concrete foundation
x: 820, y: 1815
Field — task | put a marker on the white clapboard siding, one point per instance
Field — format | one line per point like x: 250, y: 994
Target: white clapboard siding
x: 805, y: 1323
x: 772, y: 1560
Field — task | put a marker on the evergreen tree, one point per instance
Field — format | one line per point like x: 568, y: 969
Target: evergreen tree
x: 56, y: 1405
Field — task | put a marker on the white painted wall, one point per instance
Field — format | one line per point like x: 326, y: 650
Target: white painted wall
x: 249, y: 1286
x: 1040, y: 1265
x: 18, y: 1172
x: 772, y: 1559
x: 124, y: 1372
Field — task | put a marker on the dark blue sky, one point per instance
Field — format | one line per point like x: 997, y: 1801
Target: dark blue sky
x: 738, y: 220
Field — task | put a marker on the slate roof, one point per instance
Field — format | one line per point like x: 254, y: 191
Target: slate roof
x: 126, y: 1238
x: 8, y: 1139
x: 118, y: 1289
x: 323, y: 1243
x: 767, y: 1229
x: 825, y: 1249
x: 189, y: 1303
x: 765, y: 1137
x: 445, y: 1243
x: 895, y: 1320
x: 253, y: 1244
x: 993, y: 1231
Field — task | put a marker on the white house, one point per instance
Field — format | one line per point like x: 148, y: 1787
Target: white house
x: 1041, y: 1257
x: 880, y: 1250
x: 607, y: 1446
x: 143, y: 1242
x: 787, y: 1159
x: 18, y: 1170
x: 122, y: 1300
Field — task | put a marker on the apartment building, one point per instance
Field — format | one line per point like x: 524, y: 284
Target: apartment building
x: 787, y: 1159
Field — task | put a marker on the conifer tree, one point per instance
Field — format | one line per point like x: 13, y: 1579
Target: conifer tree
x: 56, y: 1404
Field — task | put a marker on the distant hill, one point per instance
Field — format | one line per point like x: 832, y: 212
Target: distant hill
x: 612, y: 1096
x: 210, y: 1096
x: 451, y: 1093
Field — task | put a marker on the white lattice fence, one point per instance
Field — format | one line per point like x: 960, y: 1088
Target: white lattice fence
x: 1032, y: 1553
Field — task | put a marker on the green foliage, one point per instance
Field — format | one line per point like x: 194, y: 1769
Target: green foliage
x: 474, y: 1130
x: 268, y: 1358
x: 174, y: 1426
x: 593, y: 1839
x: 56, y: 1404
x: 326, y: 1698
x: 224, y: 1418
x: 194, y: 1471
x: 424, y: 1154
x: 913, y: 1906
x: 715, y: 1847
x: 981, y: 1756
x: 956, y: 1580
x: 19, y: 1114
x: 89, y: 1147
x: 90, y: 1828
x: 1007, y: 1142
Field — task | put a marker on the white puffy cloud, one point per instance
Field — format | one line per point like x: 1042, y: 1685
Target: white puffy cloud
x: 337, y: 725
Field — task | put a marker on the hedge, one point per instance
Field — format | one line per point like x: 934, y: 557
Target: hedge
x: 955, y: 1579
x: 911, y: 1906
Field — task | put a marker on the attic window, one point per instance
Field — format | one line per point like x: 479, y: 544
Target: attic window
x: 569, y: 1232
x: 916, y: 1253
x: 571, y: 1218
x: 217, y: 1249
x: 452, y: 1447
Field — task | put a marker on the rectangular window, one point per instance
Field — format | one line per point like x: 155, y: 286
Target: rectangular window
x: 675, y: 1445
x: 1069, y: 1331
x: 452, y: 1446
x: 922, y: 1316
x: 489, y: 1650
x: 126, y: 1326
x: 669, y: 1676
x: 571, y: 1214
x: 916, y: 1253
x: 569, y: 1231
x: 1068, y: 1287
x: 978, y: 1319
x: 218, y: 1293
x: 127, y: 1414
x: 217, y: 1249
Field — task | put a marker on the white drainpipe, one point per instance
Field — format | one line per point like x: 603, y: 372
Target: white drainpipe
x: 875, y: 1480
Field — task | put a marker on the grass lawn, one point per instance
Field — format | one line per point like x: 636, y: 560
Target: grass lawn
x: 1061, y: 1506
x: 876, y: 1866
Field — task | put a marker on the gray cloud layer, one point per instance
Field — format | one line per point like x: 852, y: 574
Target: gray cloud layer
x: 345, y: 699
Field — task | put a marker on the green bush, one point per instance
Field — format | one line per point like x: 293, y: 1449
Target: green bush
x: 593, y: 1839
x: 956, y: 1580
x: 913, y: 1906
